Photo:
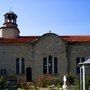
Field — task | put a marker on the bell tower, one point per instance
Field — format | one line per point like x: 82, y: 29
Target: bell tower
x: 10, y: 27
x: 10, y: 19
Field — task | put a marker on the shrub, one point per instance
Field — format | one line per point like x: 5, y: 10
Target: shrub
x: 49, y: 80
x: 45, y: 80
x: 71, y: 79
x: 27, y: 85
x: 77, y: 84
x: 57, y: 82
x: 87, y: 82
x: 2, y: 82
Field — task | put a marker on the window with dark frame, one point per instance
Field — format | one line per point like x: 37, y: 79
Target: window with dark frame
x: 77, y: 67
x: 55, y: 65
x: 44, y: 65
x: 79, y: 60
x: 22, y: 66
x: 83, y: 59
x: 50, y: 64
x: 17, y: 66
x: 3, y: 71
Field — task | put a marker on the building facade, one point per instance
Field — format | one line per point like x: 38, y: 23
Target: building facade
x: 29, y: 57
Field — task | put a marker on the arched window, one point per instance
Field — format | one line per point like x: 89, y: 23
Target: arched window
x: 3, y: 71
x: 22, y: 66
x: 17, y: 65
x: 50, y: 64
x: 77, y: 67
x: 55, y: 65
x: 83, y: 59
x: 44, y: 65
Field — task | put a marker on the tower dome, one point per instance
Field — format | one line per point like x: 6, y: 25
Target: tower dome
x: 10, y: 19
x: 9, y: 28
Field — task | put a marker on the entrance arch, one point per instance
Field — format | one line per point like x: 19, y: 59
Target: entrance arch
x: 28, y: 74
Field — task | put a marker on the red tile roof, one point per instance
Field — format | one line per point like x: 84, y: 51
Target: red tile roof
x: 76, y: 38
x: 26, y: 39
x: 21, y: 39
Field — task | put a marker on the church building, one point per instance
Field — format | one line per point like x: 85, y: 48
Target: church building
x: 29, y: 57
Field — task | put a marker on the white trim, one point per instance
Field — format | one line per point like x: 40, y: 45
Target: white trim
x: 83, y: 67
x: 80, y: 78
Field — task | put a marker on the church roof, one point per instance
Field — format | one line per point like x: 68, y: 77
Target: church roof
x: 11, y: 13
x: 76, y: 38
x: 21, y: 39
x: 26, y: 39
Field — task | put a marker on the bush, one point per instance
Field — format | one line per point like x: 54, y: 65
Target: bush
x: 71, y: 79
x: 87, y: 82
x: 45, y: 80
x: 57, y: 82
x: 77, y: 84
x: 2, y: 82
x: 27, y: 85
x: 49, y: 80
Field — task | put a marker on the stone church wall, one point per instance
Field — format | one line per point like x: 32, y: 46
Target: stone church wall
x: 47, y: 45
x: 50, y: 44
x: 9, y: 53
x: 78, y: 50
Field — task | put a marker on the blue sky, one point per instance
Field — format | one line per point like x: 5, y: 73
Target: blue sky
x: 36, y: 17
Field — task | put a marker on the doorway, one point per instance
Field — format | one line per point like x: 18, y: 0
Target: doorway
x: 28, y: 74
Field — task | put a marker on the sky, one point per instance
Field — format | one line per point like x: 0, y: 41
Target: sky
x: 36, y: 17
